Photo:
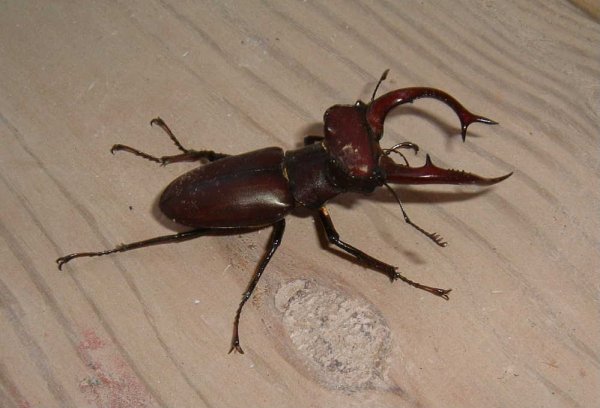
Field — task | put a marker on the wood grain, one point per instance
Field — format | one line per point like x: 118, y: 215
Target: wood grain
x: 152, y: 327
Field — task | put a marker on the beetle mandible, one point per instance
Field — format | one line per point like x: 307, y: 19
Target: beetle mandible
x: 258, y: 189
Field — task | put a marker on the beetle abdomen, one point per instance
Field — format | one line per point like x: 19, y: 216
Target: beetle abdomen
x: 247, y: 190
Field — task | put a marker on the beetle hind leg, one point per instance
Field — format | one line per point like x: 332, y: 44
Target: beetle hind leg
x: 188, y: 155
x: 274, y: 243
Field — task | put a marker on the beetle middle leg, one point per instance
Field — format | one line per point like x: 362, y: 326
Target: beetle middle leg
x: 188, y: 155
x: 274, y: 243
x: 389, y: 270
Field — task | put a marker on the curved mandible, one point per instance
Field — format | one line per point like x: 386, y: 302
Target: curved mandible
x: 432, y: 174
x: 380, y: 107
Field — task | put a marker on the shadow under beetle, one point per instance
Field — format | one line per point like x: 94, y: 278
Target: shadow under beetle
x: 258, y: 189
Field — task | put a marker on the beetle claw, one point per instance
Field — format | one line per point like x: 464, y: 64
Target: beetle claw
x: 61, y: 261
x: 235, y: 346
x: 157, y: 121
x: 443, y: 293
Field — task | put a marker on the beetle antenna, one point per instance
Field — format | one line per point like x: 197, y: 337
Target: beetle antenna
x: 383, y: 77
x: 435, y: 237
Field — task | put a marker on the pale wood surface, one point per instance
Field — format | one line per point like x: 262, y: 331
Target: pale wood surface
x: 152, y: 327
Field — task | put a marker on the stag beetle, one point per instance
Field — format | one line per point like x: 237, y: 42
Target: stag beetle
x: 258, y: 189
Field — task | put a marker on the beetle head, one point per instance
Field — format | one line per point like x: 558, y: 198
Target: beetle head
x: 353, y: 149
x: 353, y: 132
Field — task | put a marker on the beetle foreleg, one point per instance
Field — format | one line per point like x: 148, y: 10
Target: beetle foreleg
x: 274, y: 243
x: 164, y: 239
x: 389, y: 270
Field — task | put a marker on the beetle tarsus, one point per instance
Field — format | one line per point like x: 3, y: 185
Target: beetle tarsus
x: 161, y: 123
x: 435, y: 237
x: 443, y: 293
x: 163, y: 239
x: 63, y: 260
x: 188, y: 155
x: 124, y: 148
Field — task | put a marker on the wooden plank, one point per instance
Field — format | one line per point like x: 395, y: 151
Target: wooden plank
x: 152, y: 327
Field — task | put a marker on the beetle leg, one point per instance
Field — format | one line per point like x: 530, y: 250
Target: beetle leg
x: 161, y: 123
x: 274, y: 243
x: 188, y: 155
x: 164, y: 239
x: 334, y: 238
x: 389, y: 270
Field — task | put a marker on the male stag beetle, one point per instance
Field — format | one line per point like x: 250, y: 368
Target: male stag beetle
x: 258, y: 189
